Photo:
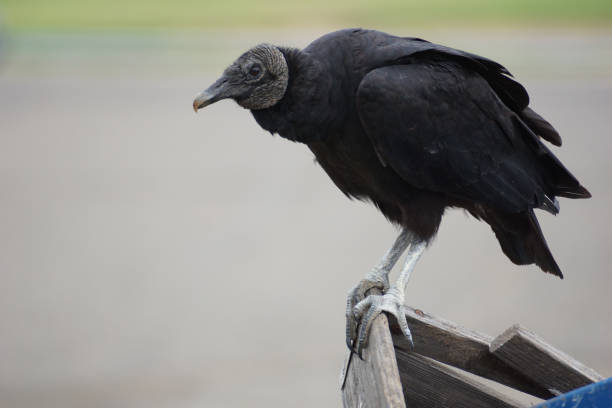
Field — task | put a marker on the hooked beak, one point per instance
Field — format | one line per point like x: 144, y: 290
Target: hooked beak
x: 217, y: 91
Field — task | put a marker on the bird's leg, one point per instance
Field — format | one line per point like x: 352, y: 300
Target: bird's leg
x: 378, y: 277
x: 392, y: 301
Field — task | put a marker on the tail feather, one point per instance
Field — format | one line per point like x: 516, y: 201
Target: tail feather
x: 557, y: 179
x: 573, y: 192
x: 521, y: 239
x: 540, y: 126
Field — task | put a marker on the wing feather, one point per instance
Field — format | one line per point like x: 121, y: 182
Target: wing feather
x: 442, y: 127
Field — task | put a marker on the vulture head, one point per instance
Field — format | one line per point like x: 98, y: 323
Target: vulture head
x: 256, y: 80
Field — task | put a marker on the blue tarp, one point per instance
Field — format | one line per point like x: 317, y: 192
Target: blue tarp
x: 598, y: 395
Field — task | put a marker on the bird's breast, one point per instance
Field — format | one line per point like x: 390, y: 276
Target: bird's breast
x: 353, y: 165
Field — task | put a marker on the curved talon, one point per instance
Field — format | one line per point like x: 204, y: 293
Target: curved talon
x: 403, y: 324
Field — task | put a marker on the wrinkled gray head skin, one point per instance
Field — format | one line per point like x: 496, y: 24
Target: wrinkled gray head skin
x: 256, y: 80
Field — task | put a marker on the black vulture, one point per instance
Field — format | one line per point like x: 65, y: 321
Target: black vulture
x: 414, y: 128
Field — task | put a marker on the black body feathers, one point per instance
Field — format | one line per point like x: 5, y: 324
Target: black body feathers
x: 416, y: 127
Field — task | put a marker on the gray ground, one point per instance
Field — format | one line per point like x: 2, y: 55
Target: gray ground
x: 151, y: 257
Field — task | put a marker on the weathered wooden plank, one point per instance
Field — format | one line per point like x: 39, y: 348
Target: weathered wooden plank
x: 374, y: 381
x: 429, y: 384
x: 466, y: 349
x: 541, y: 362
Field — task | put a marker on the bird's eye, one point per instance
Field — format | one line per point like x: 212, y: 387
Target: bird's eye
x: 254, y: 71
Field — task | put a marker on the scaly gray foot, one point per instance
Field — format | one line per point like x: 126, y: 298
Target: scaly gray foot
x: 374, y: 279
x: 369, y: 308
x: 362, y: 307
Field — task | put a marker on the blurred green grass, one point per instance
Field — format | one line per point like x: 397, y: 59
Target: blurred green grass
x: 215, y: 14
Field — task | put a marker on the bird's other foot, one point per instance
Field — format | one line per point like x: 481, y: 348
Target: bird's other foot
x: 363, y: 314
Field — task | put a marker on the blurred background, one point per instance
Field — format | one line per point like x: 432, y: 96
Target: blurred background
x: 151, y: 257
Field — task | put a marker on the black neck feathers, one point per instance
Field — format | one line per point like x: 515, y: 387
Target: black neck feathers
x: 303, y: 114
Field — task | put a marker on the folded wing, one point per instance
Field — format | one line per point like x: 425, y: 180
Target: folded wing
x: 443, y: 127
